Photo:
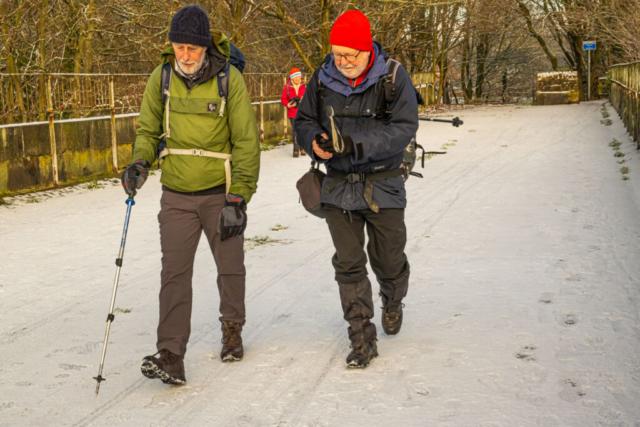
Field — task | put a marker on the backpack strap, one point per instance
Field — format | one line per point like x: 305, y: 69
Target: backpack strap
x: 387, y: 89
x: 223, y: 87
x: 167, y: 72
x: 320, y: 99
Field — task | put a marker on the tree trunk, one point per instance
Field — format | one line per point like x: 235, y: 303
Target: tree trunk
x: 42, y: 35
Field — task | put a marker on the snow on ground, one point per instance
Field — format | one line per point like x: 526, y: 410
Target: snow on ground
x: 522, y: 308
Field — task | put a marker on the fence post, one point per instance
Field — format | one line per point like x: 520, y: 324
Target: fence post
x: 52, y: 134
x: 114, y: 142
x: 261, y: 112
x: 286, y: 119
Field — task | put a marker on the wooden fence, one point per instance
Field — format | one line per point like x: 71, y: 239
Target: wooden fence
x: 625, y: 96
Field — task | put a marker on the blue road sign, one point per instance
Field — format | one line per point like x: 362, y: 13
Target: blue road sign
x: 588, y: 45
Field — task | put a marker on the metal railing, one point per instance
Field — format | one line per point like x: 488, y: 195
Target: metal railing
x: 625, y: 96
x: 33, y: 97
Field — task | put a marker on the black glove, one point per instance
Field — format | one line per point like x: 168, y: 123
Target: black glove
x: 233, y: 218
x: 296, y: 102
x: 327, y: 145
x: 134, y: 176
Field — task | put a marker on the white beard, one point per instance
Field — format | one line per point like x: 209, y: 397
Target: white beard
x: 351, y: 71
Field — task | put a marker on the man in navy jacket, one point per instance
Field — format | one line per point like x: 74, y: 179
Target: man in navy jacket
x: 364, y: 186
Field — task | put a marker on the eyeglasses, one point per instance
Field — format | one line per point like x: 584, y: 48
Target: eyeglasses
x: 351, y: 58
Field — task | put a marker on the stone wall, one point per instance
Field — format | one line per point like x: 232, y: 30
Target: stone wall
x: 560, y: 87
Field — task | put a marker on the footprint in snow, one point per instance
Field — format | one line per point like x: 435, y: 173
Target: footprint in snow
x: 546, y: 298
x: 572, y: 390
x: 526, y: 353
x: 567, y: 319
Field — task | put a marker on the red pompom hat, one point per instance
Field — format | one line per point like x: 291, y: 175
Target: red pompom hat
x: 352, y: 29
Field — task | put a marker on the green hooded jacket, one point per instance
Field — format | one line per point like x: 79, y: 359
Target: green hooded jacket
x: 193, y: 126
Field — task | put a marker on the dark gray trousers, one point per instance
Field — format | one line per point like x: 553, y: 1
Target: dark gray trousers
x: 183, y: 217
x: 387, y: 238
x: 296, y: 147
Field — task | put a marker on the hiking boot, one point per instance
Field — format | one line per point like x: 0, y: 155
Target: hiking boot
x: 296, y: 152
x: 168, y: 367
x: 232, y: 350
x: 361, y: 355
x: 391, y: 316
x: 303, y: 152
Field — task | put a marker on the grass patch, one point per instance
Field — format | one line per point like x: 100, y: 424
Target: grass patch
x: 33, y: 200
x: 429, y: 156
x: 606, y: 122
x: 618, y: 154
x: 3, y: 202
x: 94, y: 185
x: 122, y: 310
x: 266, y: 147
x: 447, y: 145
x: 621, y: 161
x: 254, y: 242
x: 624, y: 170
x: 278, y: 227
x: 152, y: 173
x: 472, y: 130
x: 625, y: 178
x: 615, y: 143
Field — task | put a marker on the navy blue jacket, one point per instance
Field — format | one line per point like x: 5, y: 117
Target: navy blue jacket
x: 382, y: 141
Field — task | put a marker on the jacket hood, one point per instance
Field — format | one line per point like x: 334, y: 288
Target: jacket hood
x: 334, y: 80
x: 221, y: 45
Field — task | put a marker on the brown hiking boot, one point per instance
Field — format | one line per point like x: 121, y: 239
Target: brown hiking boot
x: 303, y: 152
x: 296, y: 152
x: 391, y: 315
x: 232, y: 350
x: 168, y: 367
x: 361, y: 355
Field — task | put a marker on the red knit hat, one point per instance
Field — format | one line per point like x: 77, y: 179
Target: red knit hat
x: 352, y: 29
x: 295, y: 72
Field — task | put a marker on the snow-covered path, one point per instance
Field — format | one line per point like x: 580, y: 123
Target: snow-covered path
x: 523, y: 308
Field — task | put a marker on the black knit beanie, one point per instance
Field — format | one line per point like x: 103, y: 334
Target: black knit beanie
x: 190, y: 25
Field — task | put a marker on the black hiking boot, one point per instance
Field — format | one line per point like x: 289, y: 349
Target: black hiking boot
x: 168, y: 367
x: 232, y: 350
x: 361, y: 355
x: 391, y: 316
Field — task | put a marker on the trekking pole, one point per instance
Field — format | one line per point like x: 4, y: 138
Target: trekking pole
x: 110, y: 317
x: 456, y: 122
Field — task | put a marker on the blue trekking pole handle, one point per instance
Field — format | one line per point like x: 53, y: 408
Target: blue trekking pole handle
x: 130, y: 202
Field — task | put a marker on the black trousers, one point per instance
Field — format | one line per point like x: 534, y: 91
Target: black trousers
x: 387, y: 239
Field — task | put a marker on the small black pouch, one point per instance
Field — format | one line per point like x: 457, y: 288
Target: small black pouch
x: 310, y: 189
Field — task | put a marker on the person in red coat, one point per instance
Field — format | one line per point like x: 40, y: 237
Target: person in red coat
x: 291, y: 96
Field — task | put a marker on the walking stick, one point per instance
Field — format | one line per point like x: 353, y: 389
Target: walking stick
x: 110, y: 317
x: 456, y: 122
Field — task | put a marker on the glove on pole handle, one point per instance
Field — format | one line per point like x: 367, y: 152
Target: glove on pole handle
x: 110, y: 317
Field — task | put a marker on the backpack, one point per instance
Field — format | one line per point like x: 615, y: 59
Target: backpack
x: 236, y: 59
x: 387, y: 92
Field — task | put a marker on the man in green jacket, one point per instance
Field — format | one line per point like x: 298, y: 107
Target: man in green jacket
x: 210, y: 169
